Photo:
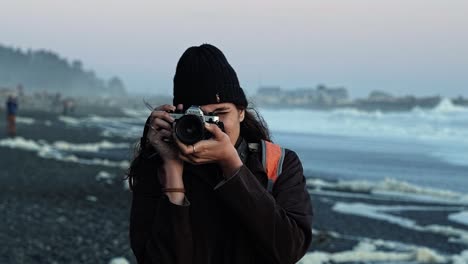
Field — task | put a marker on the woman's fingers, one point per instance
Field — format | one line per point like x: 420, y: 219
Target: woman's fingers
x: 159, y: 124
x: 161, y: 119
x: 215, y: 131
x: 195, y: 149
x: 158, y: 114
x: 193, y: 153
x: 184, y: 149
x: 185, y: 158
x: 166, y: 107
x: 164, y: 133
x: 156, y: 136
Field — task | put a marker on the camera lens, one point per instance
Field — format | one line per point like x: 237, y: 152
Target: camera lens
x: 189, y: 129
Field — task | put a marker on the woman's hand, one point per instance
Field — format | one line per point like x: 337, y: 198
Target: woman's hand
x: 160, y: 137
x: 160, y: 133
x: 217, y: 149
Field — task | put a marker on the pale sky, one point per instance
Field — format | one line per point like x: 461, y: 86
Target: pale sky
x: 401, y: 46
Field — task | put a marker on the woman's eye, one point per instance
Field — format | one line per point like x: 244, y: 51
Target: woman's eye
x: 221, y: 113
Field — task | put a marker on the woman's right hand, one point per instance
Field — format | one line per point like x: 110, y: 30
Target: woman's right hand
x: 160, y: 132
x: 160, y: 137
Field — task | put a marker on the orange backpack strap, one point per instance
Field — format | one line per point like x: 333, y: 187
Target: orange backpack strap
x: 272, y: 160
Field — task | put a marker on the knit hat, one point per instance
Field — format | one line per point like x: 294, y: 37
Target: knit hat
x: 204, y: 76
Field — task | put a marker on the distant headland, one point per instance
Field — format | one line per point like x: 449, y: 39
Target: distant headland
x: 42, y: 70
x: 327, y: 98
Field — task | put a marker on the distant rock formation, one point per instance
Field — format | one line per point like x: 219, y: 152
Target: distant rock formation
x: 46, y: 71
x: 460, y: 101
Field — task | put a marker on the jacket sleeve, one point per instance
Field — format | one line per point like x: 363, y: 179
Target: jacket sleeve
x: 281, y: 223
x: 160, y: 231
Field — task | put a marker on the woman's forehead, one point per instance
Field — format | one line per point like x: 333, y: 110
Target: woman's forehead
x: 213, y: 107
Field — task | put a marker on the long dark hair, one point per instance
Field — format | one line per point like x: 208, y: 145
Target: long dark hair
x: 253, y: 129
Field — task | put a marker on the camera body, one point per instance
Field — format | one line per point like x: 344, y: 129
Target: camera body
x: 189, y: 126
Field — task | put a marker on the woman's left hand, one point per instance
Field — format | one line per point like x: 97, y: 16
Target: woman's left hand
x: 217, y: 149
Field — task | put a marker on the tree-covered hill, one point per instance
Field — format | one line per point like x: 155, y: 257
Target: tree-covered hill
x: 46, y: 70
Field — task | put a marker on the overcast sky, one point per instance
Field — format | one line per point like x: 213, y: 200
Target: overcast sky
x: 401, y: 46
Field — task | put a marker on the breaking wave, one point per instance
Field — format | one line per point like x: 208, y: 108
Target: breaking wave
x: 63, y: 151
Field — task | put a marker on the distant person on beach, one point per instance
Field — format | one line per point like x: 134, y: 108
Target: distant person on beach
x: 55, y: 102
x: 68, y: 106
x: 12, y: 109
x: 231, y: 197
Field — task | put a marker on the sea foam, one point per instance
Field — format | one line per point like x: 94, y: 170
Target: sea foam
x: 383, y: 213
x: 365, y: 252
x: 391, y: 188
x: 460, y: 217
x: 58, y: 150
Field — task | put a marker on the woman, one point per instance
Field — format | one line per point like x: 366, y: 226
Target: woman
x: 208, y: 202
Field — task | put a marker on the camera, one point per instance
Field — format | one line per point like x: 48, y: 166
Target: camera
x: 189, y: 126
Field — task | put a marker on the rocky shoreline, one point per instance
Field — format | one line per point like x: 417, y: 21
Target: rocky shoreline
x: 60, y: 212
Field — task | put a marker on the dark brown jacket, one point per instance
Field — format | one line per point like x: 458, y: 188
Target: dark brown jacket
x: 233, y: 221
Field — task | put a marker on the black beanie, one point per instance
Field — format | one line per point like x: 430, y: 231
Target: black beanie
x: 204, y: 76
